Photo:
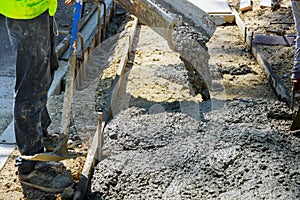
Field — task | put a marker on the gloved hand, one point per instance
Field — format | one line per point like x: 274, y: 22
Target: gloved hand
x: 69, y: 2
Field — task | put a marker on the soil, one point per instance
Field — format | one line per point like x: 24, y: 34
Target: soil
x: 165, y: 141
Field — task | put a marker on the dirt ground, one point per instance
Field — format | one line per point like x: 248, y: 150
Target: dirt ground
x: 173, y: 145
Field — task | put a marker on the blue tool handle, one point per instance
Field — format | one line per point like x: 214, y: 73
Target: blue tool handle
x: 75, y: 22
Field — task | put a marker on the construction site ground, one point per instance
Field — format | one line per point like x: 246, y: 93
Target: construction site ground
x: 164, y: 142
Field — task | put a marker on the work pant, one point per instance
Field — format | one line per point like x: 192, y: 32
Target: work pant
x: 296, y: 11
x: 34, y: 44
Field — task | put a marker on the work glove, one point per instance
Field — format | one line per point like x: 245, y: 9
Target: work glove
x: 69, y: 2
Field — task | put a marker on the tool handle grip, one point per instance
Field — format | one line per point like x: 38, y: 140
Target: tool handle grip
x: 75, y: 22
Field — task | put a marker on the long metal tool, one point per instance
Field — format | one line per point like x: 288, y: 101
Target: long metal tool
x: 61, y: 150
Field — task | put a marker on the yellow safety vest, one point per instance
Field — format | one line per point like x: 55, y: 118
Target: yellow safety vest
x: 26, y: 9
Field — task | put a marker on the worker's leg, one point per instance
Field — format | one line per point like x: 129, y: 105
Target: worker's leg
x: 296, y: 11
x: 31, y: 39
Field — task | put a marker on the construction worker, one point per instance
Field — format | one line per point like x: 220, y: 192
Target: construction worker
x: 295, y: 4
x: 30, y: 28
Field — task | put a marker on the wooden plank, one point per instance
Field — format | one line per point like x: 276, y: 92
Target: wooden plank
x: 265, y: 3
x: 227, y: 18
x: 63, y: 46
x: 118, y: 78
x: 100, y: 140
x: 213, y: 6
x: 239, y: 22
x: 245, y: 5
x: 87, y: 169
x: 273, y: 40
x: 219, y: 9
x: 58, y: 76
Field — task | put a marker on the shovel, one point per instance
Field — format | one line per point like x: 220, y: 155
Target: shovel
x: 61, y: 150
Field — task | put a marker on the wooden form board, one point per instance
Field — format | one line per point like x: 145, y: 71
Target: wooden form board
x: 217, y: 8
x: 245, y: 5
x: 273, y: 40
x: 213, y: 6
x: 265, y: 3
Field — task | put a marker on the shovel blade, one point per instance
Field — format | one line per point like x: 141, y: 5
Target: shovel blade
x: 50, y: 156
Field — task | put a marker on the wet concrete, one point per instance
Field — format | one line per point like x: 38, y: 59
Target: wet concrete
x: 241, y: 151
x: 190, y: 43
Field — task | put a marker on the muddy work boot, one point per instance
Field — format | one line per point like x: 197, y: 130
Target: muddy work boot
x: 50, y: 177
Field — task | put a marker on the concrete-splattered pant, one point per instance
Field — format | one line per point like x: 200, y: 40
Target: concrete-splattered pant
x: 295, y: 4
x: 34, y: 44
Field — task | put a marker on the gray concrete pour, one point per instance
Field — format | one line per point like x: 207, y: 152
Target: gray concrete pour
x: 242, y: 151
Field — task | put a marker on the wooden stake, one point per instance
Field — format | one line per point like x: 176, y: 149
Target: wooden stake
x: 245, y: 5
x: 99, y: 132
